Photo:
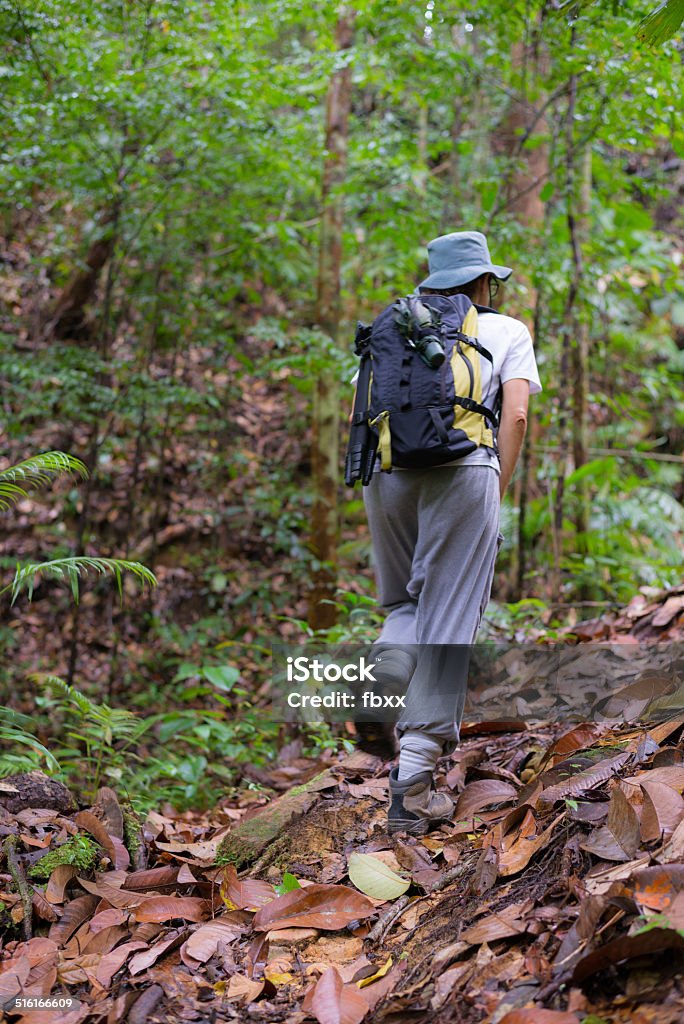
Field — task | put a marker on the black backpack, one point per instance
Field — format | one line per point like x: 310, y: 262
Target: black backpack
x: 419, y: 398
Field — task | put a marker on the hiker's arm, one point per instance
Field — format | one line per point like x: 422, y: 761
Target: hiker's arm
x: 516, y: 394
x: 351, y: 414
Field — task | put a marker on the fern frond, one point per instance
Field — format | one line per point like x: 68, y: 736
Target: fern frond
x: 72, y: 695
x: 37, y: 471
x: 111, y: 723
x: 71, y: 569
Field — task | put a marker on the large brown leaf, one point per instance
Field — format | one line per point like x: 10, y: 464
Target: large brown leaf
x: 152, y: 878
x: 626, y: 948
x: 114, y: 894
x: 317, y: 906
x: 58, y: 881
x: 333, y: 1002
x: 483, y: 793
x: 618, y: 839
x: 204, y: 942
x: 114, y: 961
x: 579, y: 738
x: 517, y: 855
x: 166, y: 908
x: 501, y: 925
x: 671, y: 775
x: 663, y: 810
x: 585, y: 780
x: 246, y: 893
x: 75, y: 913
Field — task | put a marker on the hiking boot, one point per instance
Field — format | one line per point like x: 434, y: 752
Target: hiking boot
x: 392, y: 670
x: 414, y: 805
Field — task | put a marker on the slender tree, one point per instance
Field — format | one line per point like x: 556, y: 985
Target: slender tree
x: 325, y: 443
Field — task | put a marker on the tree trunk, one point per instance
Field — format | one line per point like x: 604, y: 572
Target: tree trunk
x: 567, y: 344
x: 325, y: 443
x: 580, y: 356
x: 67, y: 318
x: 527, y: 173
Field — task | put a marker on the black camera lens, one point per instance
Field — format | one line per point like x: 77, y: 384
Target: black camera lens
x: 433, y: 353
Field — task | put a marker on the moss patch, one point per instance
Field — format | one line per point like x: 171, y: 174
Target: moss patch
x: 80, y: 851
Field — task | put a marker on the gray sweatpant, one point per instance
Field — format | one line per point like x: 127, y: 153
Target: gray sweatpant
x: 435, y: 540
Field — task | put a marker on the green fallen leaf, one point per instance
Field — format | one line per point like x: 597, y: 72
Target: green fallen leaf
x: 374, y: 878
x: 288, y: 884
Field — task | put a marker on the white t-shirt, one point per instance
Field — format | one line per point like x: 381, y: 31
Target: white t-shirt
x: 510, y: 344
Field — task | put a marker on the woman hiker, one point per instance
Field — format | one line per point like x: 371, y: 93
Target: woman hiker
x: 435, y: 537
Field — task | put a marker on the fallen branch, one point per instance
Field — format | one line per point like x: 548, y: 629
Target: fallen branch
x: 23, y: 887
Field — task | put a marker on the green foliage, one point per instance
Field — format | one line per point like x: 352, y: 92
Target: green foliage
x: 662, y: 22
x: 30, y: 754
x: 36, y: 471
x: 71, y: 569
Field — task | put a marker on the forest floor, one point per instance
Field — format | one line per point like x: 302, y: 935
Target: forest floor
x: 555, y: 895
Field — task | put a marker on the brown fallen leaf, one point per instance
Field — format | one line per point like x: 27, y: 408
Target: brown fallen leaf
x: 57, y: 883
x: 104, y: 941
x: 246, y: 990
x: 81, y: 969
x: 89, y: 823
x: 619, y: 838
x: 107, y: 919
x: 147, y: 957
x: 673, y: 850
x: 246, y: 893
x: 317, y: 906
x: 483, y: 793
x: 112, y: 962
x: 517, y: 855
x: 75, y: 913
x: 579, y: 738
x: 662, y: 812
x: 671, y: 775
x: 532, y: 1015
x: 152, y: 878
x: 114, y: 894
x: 41, y: 908
x: 204, y: 942
x: 109, y: 807
x: 166, y: 908
x: 501, y: 925
x: 585, y: 780
x: 333, y: 1002
x: 375, y: 788
x: 626, y: 948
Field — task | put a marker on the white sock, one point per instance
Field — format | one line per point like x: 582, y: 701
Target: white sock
x: 418, y: 752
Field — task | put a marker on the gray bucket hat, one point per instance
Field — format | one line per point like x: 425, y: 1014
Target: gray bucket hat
x: 460, y: 257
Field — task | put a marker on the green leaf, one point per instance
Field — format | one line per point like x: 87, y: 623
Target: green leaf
x: 288, y: 884
x: 547, y: 191
x: 223, y: 677
x: 662, y: 23
x: 372, y: 876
